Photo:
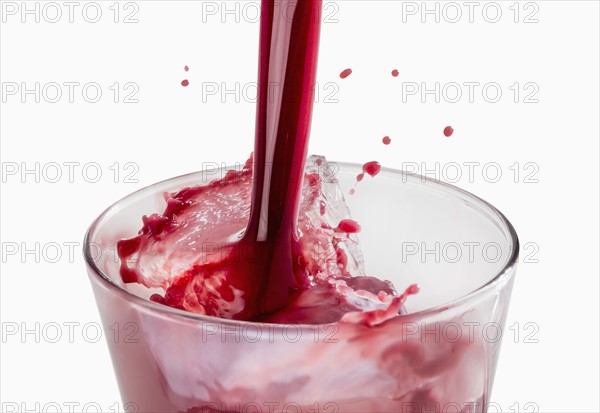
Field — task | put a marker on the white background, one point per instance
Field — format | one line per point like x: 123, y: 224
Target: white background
x: 172, y: 130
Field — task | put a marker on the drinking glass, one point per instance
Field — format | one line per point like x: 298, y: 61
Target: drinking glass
x: 440, y: 354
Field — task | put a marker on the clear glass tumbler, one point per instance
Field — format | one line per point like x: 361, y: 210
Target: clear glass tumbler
x: 440, y: 355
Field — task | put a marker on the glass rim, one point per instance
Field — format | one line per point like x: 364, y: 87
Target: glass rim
x: 497, y: 279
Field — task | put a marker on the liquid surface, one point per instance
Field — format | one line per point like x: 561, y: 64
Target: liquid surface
x: 192, y: 252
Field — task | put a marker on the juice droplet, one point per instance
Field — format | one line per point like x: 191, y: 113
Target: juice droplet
x: 346, y: 73
x: 372, y: 168
x: 395, y: 72
x: 348, y: 226
x: 359, y: 177
x: 352, y: 191
x: 448, y: 131
x: 342, y: 258
x: 386, y: 140
x: 157, y: 298
x: 185, y: 82
x: 186, y: 68
x: 322, y: 207
x: 411, y: 290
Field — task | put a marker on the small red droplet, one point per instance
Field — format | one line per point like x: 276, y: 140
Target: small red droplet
x: 448, y: 131
x: 185, y: 82
x: 349, y: 226
x: 157, y: 298
x: 346, y: 73
x: 352, y: 191
x: 359, y: 177
x: 372, y: 168
x: 386, y: 140
x: 342, y: 258
x: 322, y: 207
x: 186, y: 68
x: 395, y: 72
